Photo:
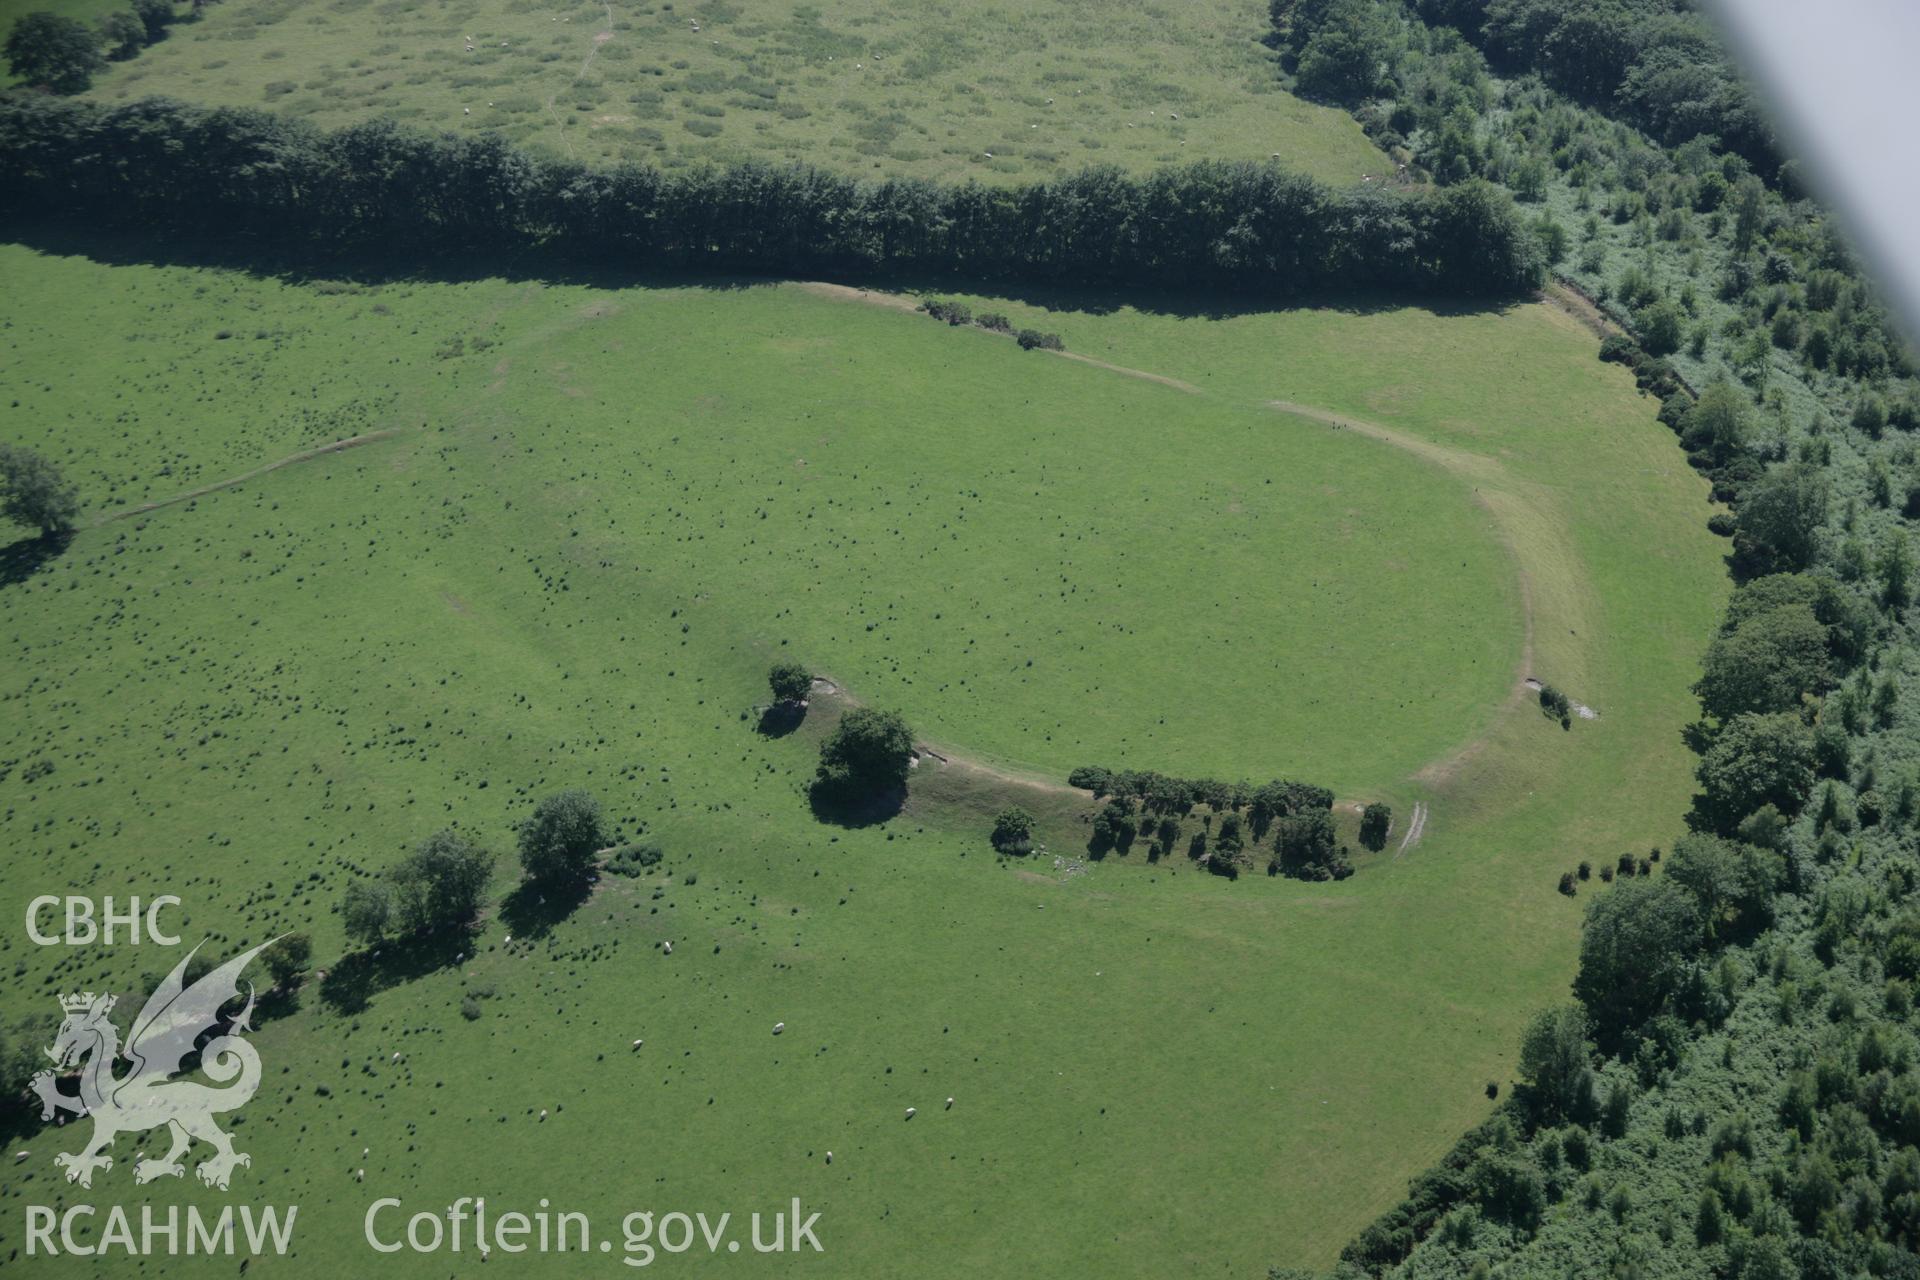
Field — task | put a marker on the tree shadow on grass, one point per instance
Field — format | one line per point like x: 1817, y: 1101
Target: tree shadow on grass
x: 305, y: 263
x: 781, y: 719
x: 840, y: 808
x: 21, y: 560
x: 276, y: 1003
x: 352, y: 983
x: 532, y: 910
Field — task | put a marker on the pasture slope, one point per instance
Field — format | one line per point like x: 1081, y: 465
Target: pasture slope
x: 599, y: 516
x: 978, y: 88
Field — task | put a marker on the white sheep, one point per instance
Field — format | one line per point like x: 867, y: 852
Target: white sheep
x: 360, y: 1175
x: 829, y: 1157
x: 949, y: 1104
x: 543, y: 1113
x: 669, y: 948
x: 638, y: 1043
x: 910, y: 1113
x: 778, y: 1027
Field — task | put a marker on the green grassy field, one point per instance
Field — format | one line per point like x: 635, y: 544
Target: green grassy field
x: 970, y: 89
x: 599, y: 516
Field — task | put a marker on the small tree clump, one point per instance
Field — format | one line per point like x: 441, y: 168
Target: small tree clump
x: 868, y: 752
x: 1092, y: 778
x: 366, y: 910
x: 440, y: 884
x: 558, y: 841
x: 790, y: 682
x: 32, y: 492
x: 55, y: 52
x: 155, y: 16
x: 1013, y: 830
x: 1555, y: 705
x: 1375, y: 821
x: 123, y: 33
x: 1114, y: 827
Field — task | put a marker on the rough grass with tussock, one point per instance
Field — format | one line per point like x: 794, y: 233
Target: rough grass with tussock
x: 975, y: 89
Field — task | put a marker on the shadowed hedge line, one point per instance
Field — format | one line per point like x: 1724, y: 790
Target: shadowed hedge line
x: 1251, y: 228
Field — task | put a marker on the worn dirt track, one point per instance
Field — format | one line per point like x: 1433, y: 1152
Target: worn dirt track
x: 305, y: 455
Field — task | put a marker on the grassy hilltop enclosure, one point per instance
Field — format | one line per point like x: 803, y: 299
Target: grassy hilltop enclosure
x: 980, y: 89
x: 994, y: 623
x: 575, y: 527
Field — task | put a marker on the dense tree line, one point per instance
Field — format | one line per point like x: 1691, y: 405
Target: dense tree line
x: 1242, y: 227
x: 1656, y: 64
x: 1733, y: 1089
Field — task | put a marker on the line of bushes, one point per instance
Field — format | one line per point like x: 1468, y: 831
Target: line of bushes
x: 959, y: 313
x: 1251, y: 228
x: 1144, y: 805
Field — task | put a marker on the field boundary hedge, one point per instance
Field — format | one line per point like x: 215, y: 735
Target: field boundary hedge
x: 1247, y: 228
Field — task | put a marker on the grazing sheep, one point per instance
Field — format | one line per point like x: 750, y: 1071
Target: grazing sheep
x: 778, y: 1027
x: 949, y: 1104
x: 638, y: 1043
x: 829, y: 1157
x: 909, y: 1113
x: 669, y: 948
x: 543, y: 1113
x: 360, y: 1176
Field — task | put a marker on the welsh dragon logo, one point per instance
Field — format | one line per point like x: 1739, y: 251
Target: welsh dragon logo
x: 171, y: 1028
